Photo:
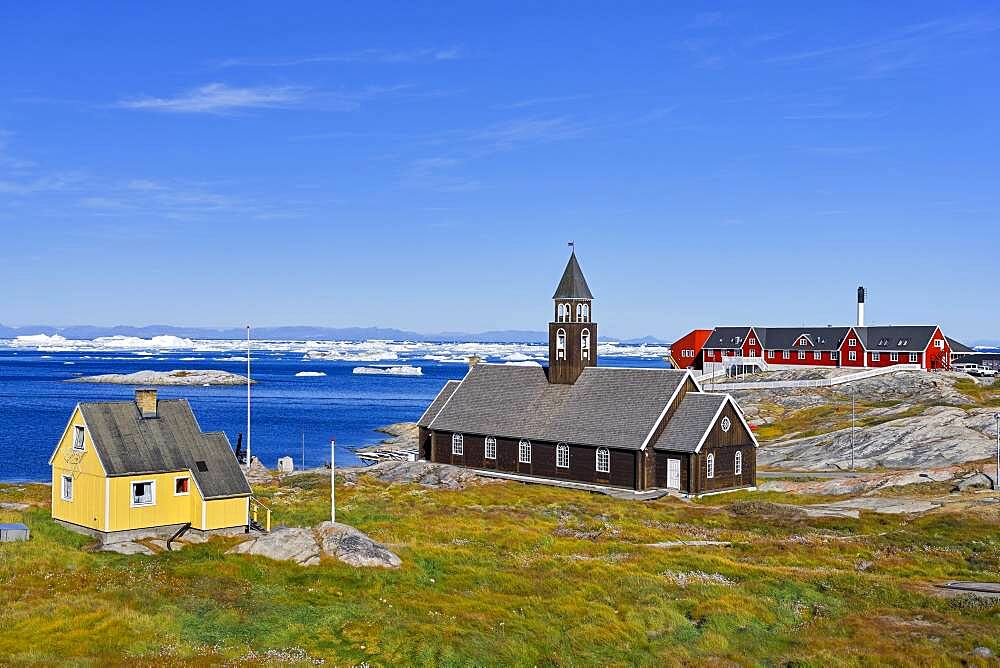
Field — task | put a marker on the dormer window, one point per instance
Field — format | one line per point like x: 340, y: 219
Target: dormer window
x: 78, y: 438
x: 585, y: 344
x: 561, y: 344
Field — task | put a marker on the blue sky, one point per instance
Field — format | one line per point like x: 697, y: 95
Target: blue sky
x: 424, y: 167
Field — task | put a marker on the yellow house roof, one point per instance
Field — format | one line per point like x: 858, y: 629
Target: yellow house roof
x: 128, y: 443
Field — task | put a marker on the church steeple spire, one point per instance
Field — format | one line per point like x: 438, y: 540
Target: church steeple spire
x: 573, y: 333
x: 573, y: 285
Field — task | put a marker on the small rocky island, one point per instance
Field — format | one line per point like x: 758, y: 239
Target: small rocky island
x: 175, y: 377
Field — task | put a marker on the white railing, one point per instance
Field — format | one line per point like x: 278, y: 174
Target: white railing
x: 820, y: 382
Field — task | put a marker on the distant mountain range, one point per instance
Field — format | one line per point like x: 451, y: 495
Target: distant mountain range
x: 296, y: 333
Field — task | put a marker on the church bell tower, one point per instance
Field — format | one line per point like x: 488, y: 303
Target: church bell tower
x: 572, y: 333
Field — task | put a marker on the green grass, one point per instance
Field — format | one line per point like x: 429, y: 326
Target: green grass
x: 509, y: 574
x: 983, y: 395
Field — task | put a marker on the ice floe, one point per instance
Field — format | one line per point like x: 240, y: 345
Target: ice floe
x: 309, y: 374
x: 402, y: 370
x: 372, y: 351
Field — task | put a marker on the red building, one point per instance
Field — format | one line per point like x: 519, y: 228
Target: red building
x: 851, y: 347
x: 686, y: 350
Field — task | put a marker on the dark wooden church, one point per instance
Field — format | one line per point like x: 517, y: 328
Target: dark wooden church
x: 624, y: 427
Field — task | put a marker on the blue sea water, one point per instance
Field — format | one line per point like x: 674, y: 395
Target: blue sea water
x: 35, y: 402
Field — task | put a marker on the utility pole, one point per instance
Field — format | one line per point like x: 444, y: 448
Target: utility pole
x: 996, y: 481
x: 853, y: 422
x: 249, y: 461
x: 333, y: 492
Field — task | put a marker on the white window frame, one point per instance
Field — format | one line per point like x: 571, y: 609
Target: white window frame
x: 802, y: 355
x: 834, y: 355
x: 585, y: 344
x: 560, y: 344
x: 79, y: 445
x: 738, y: 463
x: 605, y: 465
x: 710, y: 466
x: 876, y: 357
x: 524, y: 451
x: 770, y: 354
x: 62, y: 488
x: 852, y: 356
x: 752, y: 341
x: 490, y: 448
x: 939, y: 343
x: 562, y: 456
x: 852, y: 342
x: 586, y: 312
x: 893, y: 357
x: 913, y: 358
x: 817, y: 355
x: 579, y: 312
x: 182, y: 477
x: 152, y: 493
x: 786, y: 354
x: 457, y: 444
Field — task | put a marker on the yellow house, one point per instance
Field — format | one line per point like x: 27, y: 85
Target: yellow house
x: 129, y: 469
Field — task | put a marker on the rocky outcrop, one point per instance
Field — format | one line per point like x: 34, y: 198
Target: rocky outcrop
x: 439, y: 476
x: 290, y: 544
x: 307, y: 546
x: 941, y: 436
x: 175, y: 377
x: 127, y: 547
x: 353, y: 547
x: 973, y: 482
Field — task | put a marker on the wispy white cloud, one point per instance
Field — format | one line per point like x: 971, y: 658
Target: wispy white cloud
x: 222, y: 99
x: 219, y: 98
x: 903, y: 48
x: 539, y: 101
x: 385, y: 56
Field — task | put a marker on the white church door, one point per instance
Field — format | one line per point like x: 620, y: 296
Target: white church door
x: 673, y: 474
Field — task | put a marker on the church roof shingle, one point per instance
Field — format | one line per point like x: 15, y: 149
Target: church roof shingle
x: 611, y: 407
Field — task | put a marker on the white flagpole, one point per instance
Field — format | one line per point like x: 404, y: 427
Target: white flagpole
x: 248, y: 398
x: 333, y: 492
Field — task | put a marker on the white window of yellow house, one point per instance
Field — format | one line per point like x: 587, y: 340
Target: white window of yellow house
x: 144, y: 493
x: 78, y: 438
x: 182, y: 486
x: 67, y: 488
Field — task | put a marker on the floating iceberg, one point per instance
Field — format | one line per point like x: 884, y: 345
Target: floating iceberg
x: 309, y: 374
x: 402, y: 370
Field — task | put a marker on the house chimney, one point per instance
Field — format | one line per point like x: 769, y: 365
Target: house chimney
x: 474, y: 360
x: 861, y: 306
x: 145, y: 399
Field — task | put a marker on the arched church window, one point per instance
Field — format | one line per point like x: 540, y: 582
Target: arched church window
x: 586, y: 313
x: 561, y: 313
x: 579, y: 312
x: 561, y: 344
x: 585, y: 344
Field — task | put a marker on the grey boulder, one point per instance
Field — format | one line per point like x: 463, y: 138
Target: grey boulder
x: 353, y: 547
